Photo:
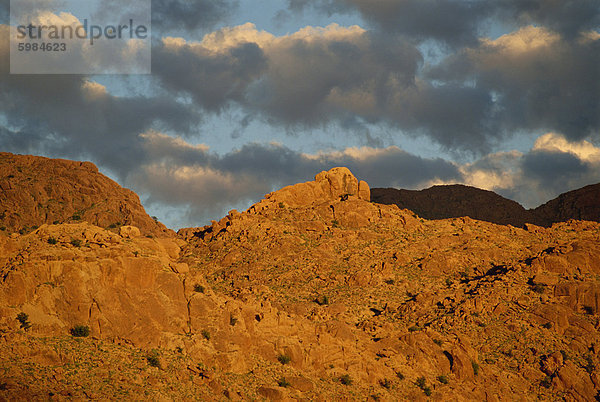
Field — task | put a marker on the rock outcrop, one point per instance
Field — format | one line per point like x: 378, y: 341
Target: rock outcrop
x: 333, y: 185
x: 36, y: 191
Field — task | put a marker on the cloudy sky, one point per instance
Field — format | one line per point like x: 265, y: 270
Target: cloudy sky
x: 248, y: 96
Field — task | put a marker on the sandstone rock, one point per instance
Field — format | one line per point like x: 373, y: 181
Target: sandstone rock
x: 301, y: 384
x: 272, y: 393
x: 576, y: 382
x: 364, y: 191
x: 36, y: 190
x: 333, y: 185
x: 129, y: 232
x: 552, y: 363
x: 545, y: 279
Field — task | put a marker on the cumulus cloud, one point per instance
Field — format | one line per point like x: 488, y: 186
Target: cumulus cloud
x: 319, y: 76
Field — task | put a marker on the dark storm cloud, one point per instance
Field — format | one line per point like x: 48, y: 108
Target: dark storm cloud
x: 213, y: 80
x: 460, y: 22
x: 538, y: 79
x: 189, y: 14
x: 453, y: 22
x: 568, y: 17
x: 553, y: 168
x: 340, y: 75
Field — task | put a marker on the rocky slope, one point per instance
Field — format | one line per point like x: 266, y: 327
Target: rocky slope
x: 452, y: 201
x: 314, y: 293
x: 36, y: 191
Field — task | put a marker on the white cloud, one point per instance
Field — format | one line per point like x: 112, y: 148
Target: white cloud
x: 584, y: 150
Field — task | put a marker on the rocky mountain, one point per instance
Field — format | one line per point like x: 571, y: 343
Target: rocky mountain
x: 36, y: 191
x: 452, y: 201
x: 581, y: 204
x: 313, y: 293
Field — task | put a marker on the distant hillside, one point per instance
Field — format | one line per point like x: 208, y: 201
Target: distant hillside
x: 582, y: 204
x: 452, y: 201
x: 36, y: 190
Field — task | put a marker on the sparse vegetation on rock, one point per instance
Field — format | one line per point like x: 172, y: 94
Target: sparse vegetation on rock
x: 80, y: 331
x: 23, y: 319
x: 284, y: 359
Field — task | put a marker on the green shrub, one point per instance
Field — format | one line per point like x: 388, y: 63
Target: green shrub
x: 538, y: 288
x: 589, y: 364
x: 385, y: 383
x: 2, y: 228
x: 198, y: 288
x: 322, y: 300
x: 153, y: 359
x: 232, y: 320
x: 546, y: 382
x: 205, y: 334
x: 52, y: 240
x: 414, y: 328
x: 76, y: 242
x: 427, y: 391
x: 400, y: 375
x: 80, y: 331
x: 346, y: 379
x: 23, y: 319
x: 421, y: 382
x: 284, y: 359
x: 76, y: 217
x: 283, y: 383
x: 438, y: 342
x: 443, y: 379
x: 281, y: 205
x: 475, y: 367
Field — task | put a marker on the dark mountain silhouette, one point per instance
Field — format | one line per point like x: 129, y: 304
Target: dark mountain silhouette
x: 452, y: 201
x: 581, y: 204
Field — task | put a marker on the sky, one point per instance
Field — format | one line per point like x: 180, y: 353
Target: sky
x: 248, y: 96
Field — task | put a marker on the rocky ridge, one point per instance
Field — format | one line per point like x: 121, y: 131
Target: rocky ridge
x: 314, y: 293
x: 453, y: 201
x: 36, y: 191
